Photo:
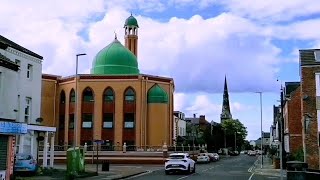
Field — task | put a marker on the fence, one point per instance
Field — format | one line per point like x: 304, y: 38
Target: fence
x: 130, y: 148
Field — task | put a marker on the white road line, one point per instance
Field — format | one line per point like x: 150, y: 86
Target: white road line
x: 250, y: 169
x: 148, y: 172
x: 251, y: 176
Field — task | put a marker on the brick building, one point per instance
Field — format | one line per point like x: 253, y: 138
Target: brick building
x: 310, y: 94
x: 292, y: 118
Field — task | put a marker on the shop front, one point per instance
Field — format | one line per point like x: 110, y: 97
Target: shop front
x: 8, y: 131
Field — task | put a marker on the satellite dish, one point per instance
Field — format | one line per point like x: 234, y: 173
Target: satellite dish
x: 39, y: 119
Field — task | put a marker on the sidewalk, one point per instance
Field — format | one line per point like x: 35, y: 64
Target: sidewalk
x: 115, y: 171
x: 267, y: 168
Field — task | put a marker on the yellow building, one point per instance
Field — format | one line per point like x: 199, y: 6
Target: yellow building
x: 115, y: 102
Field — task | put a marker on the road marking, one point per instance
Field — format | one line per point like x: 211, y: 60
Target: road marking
x: 142, y: 174
x: 251, y: 176
x: 251, y: 168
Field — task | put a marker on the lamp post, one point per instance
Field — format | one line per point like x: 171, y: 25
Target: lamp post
x: 260, y: 93
x: 75, y: 122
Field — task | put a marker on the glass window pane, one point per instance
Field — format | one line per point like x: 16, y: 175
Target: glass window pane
x: 107, y: 124
x: 87, y: 124
x: 128, y: 124
x: 129, y: 98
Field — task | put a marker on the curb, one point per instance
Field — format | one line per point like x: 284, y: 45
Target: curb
x: 131, y: 175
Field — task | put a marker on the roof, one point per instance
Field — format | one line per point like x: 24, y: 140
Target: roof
x: 131, y: 21
x: 193, y: 120
x: 290, y: 87
x: 6, y: 42
x: 157, y: 95
x: 307, y: 57
x: 115, y: 59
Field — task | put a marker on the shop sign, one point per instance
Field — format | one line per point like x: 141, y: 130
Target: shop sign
x: 13, y: 128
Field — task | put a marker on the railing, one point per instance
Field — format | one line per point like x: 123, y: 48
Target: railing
x: 129, y: 148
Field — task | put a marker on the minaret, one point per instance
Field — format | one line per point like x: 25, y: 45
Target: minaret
x: 131, y: 34
x: 226, y: 113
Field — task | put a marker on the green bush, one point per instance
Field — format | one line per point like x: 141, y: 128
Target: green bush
x: 296, y: 156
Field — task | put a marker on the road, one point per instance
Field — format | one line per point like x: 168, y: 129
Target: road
x: 232, y: 168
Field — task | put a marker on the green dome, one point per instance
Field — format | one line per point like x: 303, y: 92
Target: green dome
x: 115, y: 59
x: 131, y: 21
x: 157, y: 95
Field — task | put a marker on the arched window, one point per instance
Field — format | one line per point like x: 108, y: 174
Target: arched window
x: 72, y: 96
x: 62, y: 97
x: 129, y: 95
x: 108, y: 95
x: 88, y: 95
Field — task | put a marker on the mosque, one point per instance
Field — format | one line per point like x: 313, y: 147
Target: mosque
x: 114, y: 103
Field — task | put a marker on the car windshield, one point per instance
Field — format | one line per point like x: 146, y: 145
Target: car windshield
x: 176, y: 156
x: 23, y: 157
x: 202, y: 154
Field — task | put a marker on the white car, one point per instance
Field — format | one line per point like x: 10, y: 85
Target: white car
x: 179, y: 162
x: 203, y: 158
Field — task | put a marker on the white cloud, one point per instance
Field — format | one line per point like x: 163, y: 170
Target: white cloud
x: 272, y: 10
x: 196, y: 52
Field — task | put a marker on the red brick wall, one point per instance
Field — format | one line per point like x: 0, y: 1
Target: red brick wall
x: 308, y: 88
x: 294, y: 121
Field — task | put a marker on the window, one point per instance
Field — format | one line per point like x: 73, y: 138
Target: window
x: 87, y: 95
x: 18, y: 62
x: 86, y: 120
x: 71, y: 121
x: 129, y: 95
x: 61, y: 122
x: 62, y: 98
x: 27, y: 110
x: 29, y: 71
x: 317, y: 55
x: 108, y: 120
x: 108, y: 95
x: 72, y: 96
x: 129, y: 120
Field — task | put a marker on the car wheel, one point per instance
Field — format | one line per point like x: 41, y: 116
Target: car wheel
x: 167, y: 172
x: 194, y: 168
x: 188, y: 170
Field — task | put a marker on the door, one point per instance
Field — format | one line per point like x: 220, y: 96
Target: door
x: 3, y: 152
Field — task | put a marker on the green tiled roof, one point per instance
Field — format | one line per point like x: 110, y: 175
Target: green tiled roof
x: 115, y: 59
x: 157, y: 95
x: 131, y: 21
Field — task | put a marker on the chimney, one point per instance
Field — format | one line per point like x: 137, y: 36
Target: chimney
x: 202, y: 117
x: 194, y: 115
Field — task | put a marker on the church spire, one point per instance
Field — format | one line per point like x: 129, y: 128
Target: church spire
x: 226, y: 113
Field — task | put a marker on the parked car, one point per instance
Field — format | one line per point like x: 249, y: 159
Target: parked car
x: 203, y: 158
x: 211, y: 157
x: 25, y: 163
x: 216, y: 156
x: 180, y: 162
x: 252, y: 153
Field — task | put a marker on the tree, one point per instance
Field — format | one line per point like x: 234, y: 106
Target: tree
x: 233, y: 128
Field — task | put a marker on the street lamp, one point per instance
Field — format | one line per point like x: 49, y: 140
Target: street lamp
x: 260, y: 93
x: 76, y: 101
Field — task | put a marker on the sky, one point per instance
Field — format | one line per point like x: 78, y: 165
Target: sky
x: 196, y: 42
